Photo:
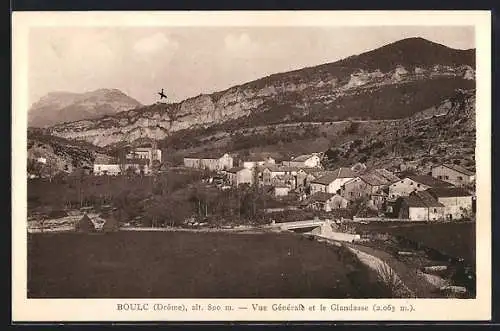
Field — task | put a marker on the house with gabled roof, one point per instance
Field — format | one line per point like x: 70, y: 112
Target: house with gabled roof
x: 257, y: 160
x: 453, y: 174
x: 332, y: 182
x: 325, y: 201
x: 240, y: 175
x: 106, y: 165
x: 372, y: 185
x: 413, y: 183
x: 306, y: 175
x: 306, y: 160
x: 456, y: 200
x: 419, y: 206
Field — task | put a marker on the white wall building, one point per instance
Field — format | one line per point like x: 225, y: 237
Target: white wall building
x: 332, y: 182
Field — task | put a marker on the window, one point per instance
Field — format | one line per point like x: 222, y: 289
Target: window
x: 418, y: 185
x: 446, y: 177
x: 411, y: 183
x: 435, y: 210
x: 440, y: 177
x: 460, y: 178
x: 351, y: 194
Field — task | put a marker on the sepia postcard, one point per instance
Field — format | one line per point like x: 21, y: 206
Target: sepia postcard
x: 251, y: 166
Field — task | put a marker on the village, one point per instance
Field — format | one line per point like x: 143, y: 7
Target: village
x: 358, y: 208
x: 446, y: 193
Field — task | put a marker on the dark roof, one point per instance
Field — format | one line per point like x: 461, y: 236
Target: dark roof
x: 236, y: 169
x: 205, y: 155
x: 320, y: 197
x: 428, y: 180
x: 137, y: 161
x: 338, y: 173
x: 422, y: 199
x: 374, y: 180
x: 385, y: 174
x: 101, y: 159
x: 444, y: 192
x: 457, y: 168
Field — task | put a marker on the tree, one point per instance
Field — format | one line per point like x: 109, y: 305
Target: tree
x: 122, y: 160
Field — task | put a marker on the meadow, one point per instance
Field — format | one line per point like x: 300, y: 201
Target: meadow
x: 193, y: 265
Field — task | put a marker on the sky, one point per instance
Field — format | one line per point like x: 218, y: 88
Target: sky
x: 189, y: 61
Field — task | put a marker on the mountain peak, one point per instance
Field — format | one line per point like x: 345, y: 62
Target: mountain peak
x: 60, y: 106
x: 410, y: 52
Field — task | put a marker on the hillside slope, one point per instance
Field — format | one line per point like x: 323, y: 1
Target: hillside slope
x: 391, y: 82
x: 60, y: 107
x: 61, y: 154
x: 444, y: 132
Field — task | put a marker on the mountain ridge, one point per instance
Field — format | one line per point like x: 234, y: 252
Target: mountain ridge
x: 402, y: 80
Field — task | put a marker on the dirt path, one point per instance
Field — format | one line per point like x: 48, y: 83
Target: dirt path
x: 417, y: 284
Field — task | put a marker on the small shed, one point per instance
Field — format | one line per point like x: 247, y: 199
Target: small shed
x: 85, y: 224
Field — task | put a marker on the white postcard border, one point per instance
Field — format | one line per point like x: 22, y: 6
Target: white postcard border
x: 24, y: 309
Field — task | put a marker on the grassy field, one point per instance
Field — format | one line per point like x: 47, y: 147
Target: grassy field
x: 453, y: 239
x: 209, y: 265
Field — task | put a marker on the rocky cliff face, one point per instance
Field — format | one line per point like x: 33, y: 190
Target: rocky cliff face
x: 390, y: 82
x: 59, y: 107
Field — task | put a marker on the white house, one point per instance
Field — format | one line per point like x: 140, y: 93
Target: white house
x: 111, y: 169
x: 147, y: 153
x: 253, y: 162
x: 240, y: 175
x: 306, y: 160
x: 223, y: 162
x: 332, y: 182
x: 457, y: 201
x: 268, y: 173
x: 419, y: 206
x: 413, y: 183
x: 453, y: 174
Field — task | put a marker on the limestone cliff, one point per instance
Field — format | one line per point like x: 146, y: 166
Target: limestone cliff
x: 394, y: 81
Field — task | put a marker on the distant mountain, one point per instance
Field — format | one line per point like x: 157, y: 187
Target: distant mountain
x: 392, y: 82
x: 60, y: 107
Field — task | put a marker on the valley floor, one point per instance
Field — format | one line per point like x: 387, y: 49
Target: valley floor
x: 188, y: 265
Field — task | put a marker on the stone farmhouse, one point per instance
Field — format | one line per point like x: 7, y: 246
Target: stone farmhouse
x: 307, y: 160
x: 419, y: 206
x: 457, y: 201
x: 412, y: 183
x: 325, y: 201
x: 366, y: 185
x: 453, y: 174
x: 332, y: 182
